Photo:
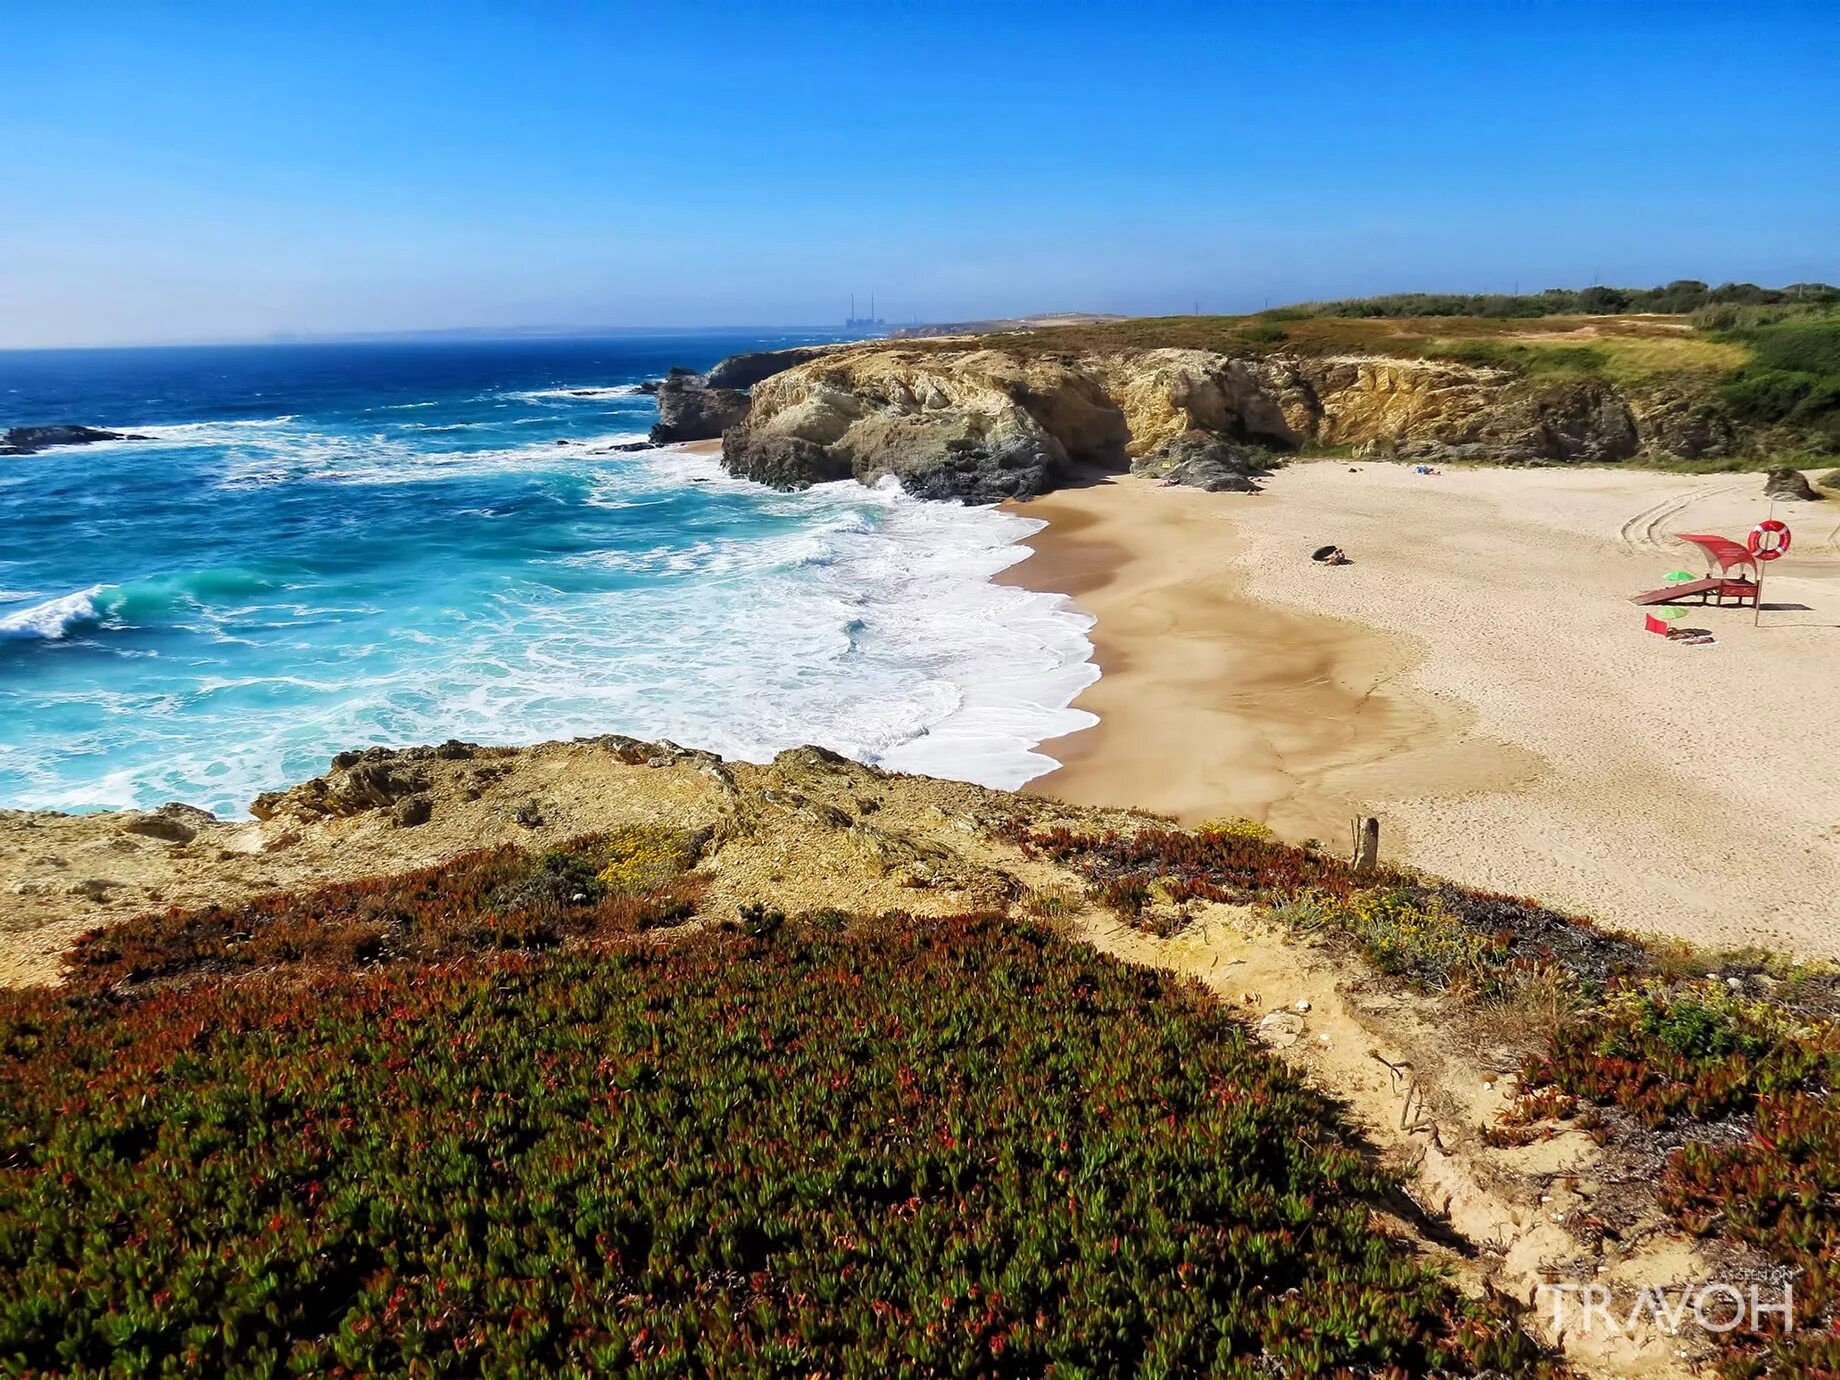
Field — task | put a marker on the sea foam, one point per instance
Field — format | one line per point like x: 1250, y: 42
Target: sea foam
x: 221, y: 607
x: 53, y: 619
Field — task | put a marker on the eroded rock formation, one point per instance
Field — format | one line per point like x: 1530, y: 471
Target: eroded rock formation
x: 985, y: 424
x: 690, y: 410
x: 982, y: 423
x: 746, y: 370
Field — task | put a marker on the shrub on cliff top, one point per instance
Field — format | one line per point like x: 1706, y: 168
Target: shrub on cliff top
x: 954, y: 1147
x: 500, y: 898
x: 1435, y: 933
x: 1748, y: 1084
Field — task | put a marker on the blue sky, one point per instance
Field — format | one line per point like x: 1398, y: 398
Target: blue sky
x: 194, y: 171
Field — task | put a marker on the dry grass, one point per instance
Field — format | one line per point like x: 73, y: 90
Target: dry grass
x: 1620, y: 347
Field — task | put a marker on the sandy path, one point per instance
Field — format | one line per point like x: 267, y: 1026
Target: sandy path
x: 1477, y: 678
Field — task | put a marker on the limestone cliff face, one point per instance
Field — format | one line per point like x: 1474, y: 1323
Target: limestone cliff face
x: 981, y: 423
x: 985, y: 424
x: 1432, y: 407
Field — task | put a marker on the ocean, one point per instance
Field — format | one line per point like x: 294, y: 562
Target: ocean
x: 329, y: 546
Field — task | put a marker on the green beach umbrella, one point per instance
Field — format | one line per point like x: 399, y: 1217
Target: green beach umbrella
x: 1674, y: 577
x: 1671, y: 612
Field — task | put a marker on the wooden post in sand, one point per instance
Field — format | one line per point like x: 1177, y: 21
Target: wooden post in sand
x: 1366, y: 843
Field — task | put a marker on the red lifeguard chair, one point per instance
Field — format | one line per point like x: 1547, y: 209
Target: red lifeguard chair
x: 1731, y: 577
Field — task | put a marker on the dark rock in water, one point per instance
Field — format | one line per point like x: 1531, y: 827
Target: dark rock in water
x: 783, y: 462
x: 626, y: 447
x: 1202, y: 460
x: 964, y: 469
x: 649, y: 387
x: 1789, y: 483
x: 744, y: 371
x: 689, y: 411
x: 28, y: 440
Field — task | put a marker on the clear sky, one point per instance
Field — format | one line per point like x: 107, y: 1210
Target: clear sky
x: 201, y: 171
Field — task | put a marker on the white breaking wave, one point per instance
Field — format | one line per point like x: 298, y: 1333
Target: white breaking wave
x: 53, y: 619
x: 860, y: 619
x: 872, y: 628
x: 577, y: 395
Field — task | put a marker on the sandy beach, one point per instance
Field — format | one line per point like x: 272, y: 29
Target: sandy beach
x: 1477, y: 678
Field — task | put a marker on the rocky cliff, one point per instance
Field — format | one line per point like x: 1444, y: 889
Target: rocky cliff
x: 690, y: 410
x: 981, y: 422
x: 746, y: 370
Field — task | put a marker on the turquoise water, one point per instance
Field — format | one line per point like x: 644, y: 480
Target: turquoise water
x: 323, y: 547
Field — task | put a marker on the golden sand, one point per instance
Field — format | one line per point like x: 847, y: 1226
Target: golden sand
x: 1477, y: 678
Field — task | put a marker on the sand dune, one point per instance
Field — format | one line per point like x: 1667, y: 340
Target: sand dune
x: 1477, y: 678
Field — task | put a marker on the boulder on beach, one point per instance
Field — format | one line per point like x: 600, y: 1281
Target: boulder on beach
x: 1789, y: 483
x: 1202, y: 460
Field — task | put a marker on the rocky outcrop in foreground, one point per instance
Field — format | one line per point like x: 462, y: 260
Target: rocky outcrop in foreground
x: 825, y: 841
x: 983, y: 423
x: 29, y: 440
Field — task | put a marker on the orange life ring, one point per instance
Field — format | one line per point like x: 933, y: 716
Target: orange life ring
x: 1769, y: 539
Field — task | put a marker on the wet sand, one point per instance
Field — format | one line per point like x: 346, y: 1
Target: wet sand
x: 1213, y: 703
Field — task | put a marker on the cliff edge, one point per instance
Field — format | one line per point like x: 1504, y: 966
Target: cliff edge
x: 980, y: 422
x: 1209, y: 400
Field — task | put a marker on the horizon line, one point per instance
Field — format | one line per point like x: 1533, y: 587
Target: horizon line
x: 434, y: 333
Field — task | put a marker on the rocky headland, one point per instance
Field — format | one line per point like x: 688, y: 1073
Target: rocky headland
x: 983, y: 420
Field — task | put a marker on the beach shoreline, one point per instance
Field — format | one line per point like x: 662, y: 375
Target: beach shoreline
x: 1476, y: 678
x: 1212, y: 703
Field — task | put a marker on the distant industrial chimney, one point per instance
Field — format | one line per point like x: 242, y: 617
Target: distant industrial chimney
x: 871, y: 322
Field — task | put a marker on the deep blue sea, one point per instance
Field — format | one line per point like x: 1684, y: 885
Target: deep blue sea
x: 330, y: 546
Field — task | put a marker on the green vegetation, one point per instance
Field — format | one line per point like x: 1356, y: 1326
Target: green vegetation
x: 489, y: 1118
x: 1734, y: 1075
x: 510, y: 1133
x: 1677, y: 298
x: 501, y: 899
x: 1792, y: 379
x: 1740, y: 1073
x: 1622, y: 348
x: 1766, y: 358
x: 1435, y: 935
